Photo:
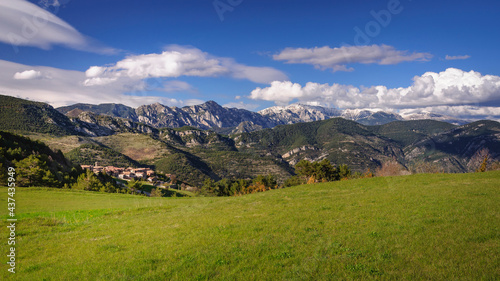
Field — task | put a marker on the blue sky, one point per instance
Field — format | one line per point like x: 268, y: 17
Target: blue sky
x: 399, y: 55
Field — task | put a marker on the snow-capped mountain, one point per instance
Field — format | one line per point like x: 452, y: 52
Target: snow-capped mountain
x: 297, y: 113
x: 211, y: 115
x: 434, y: 116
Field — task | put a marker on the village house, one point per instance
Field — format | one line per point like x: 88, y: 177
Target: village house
x: 123, y: 173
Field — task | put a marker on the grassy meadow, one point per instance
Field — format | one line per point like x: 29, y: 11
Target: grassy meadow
x: 418, y: 227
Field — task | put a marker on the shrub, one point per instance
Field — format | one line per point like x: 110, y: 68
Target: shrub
x: 156, y: 192
x: 293, y: 181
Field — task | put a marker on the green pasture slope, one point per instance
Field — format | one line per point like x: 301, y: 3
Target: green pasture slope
x: 419, y: 227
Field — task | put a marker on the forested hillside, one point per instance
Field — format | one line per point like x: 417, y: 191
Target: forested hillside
x: 35, y: 163
x: 18, y: 115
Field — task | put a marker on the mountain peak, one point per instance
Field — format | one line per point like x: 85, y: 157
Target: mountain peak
x: 211, y: 104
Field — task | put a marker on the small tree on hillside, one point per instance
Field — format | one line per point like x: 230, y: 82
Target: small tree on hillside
x: 483, y: 165
x: 32, y: 171
x: 88, y: 181
x: 173, y: 179
x: 134, y: 185
x: 3, y: 175
x: 344, y: 172
x: 304, y: 169
x: 156, y: 192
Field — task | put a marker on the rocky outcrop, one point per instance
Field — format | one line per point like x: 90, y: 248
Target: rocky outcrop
x: 95, y: 125
x: 198, y: 138
x: 298, y: 149
x: 209, y: 115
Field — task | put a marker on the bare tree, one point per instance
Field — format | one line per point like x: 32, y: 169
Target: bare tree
x: 480, y: 161
x: 391, y: 168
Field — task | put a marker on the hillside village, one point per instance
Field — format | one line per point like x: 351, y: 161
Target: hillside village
x: 127, y: 173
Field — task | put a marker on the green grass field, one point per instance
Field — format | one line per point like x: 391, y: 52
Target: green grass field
x: 419, y: 227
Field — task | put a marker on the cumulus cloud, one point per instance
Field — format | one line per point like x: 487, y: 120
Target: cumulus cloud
x: 178, y: 61
x: 23, y: 23
x: 448, y: 89
x: 337, y: 59
x: 464, y: 57
x: 337, y: 95
x: 27, y: 74
x: 60, y: 87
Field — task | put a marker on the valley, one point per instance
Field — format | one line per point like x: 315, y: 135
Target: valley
x: 114, y: 135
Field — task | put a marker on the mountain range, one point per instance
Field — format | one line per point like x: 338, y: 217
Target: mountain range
x: 209, y: 141
x: 211, y: 115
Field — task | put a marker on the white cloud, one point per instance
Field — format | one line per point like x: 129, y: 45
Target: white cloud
x: 343, y: 96
x: 444, y: 90
x: 178, y: 86
x: 48, y: 3
x: 27, y: 74
x: 178, y: 61
x: 338, y: 58
x: 190, y: 102
x: 63, y: 87
x: 255, y: 74
x: 241, y: 105
x: 94, y: 71
x: 25, y: 24
x: 464, y: 57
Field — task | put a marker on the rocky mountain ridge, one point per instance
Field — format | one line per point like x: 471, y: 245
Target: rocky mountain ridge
x: 211, y: 115
x: 196, y: 155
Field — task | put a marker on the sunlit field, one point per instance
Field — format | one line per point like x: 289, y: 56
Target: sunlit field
x: 419, y: 227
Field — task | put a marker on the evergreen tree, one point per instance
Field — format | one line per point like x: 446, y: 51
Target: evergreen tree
x: 88, y: 181
x: 3, y: 175
x: 134, y: 185
x: 344, y: 171
x: 32, y: 171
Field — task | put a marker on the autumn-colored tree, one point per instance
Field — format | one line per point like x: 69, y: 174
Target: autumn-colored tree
x: 311, y: 180
x: 483, y: 166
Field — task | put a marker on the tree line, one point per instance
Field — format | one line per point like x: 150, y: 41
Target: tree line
x: 306, y: 172
x: 232, y: 187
